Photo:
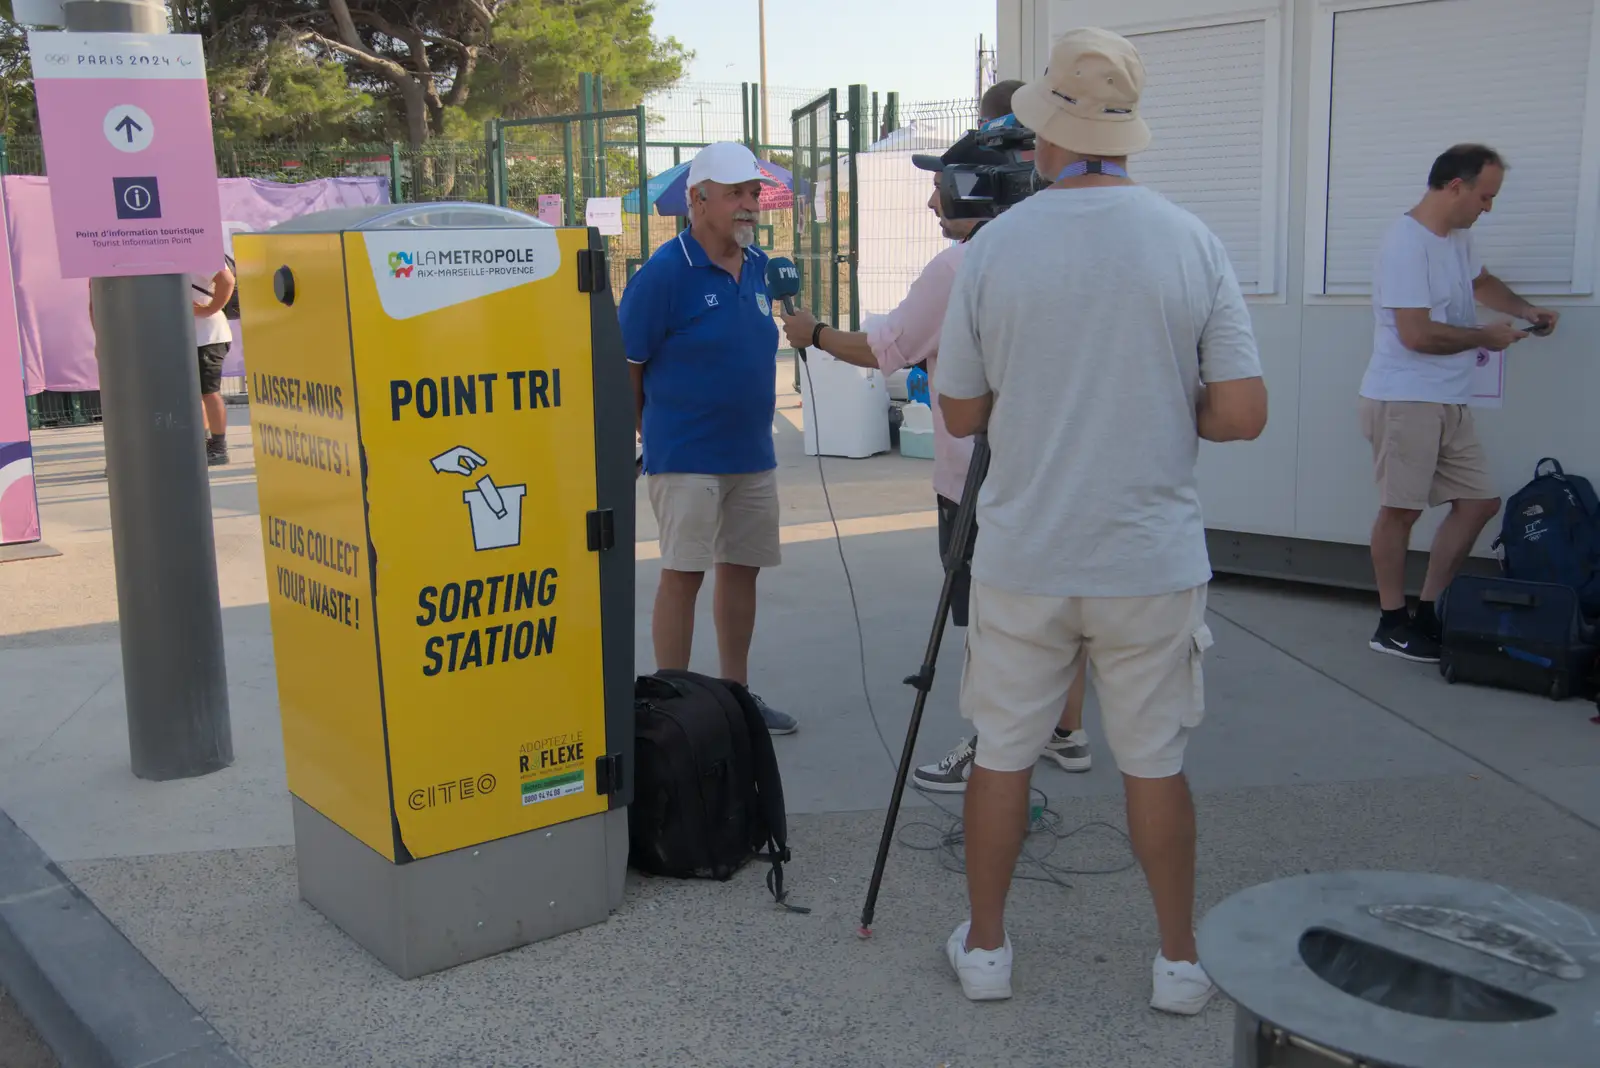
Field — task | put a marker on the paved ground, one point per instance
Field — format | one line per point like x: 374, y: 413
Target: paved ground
x: 1316, y: 755
x: 19, y: 1046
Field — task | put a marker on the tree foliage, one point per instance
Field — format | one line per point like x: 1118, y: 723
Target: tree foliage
x: 404, y: 69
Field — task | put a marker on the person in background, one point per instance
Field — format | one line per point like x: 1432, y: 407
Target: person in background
x: 1096, y: 333
x: 908, y: 336
x: 214, y: 337
x: 1426, y: 288
x: 702, y: 351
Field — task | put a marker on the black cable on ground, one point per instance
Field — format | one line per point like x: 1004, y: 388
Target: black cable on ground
x: 1045, y: 835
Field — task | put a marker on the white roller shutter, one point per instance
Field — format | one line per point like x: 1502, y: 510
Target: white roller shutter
x: 1413, y: 79
x: 1205, y: 101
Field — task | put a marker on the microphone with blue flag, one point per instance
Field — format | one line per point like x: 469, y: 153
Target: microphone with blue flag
x: 783, y: 283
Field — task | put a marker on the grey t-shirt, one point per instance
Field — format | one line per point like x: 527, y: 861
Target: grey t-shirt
x: 1093, y: 315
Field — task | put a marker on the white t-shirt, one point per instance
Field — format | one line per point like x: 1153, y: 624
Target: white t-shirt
x: 1093, y: 315
x: 1416, y: 268
x: 213, y: 329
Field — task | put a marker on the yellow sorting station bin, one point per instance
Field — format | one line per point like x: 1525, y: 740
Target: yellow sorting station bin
x: 443, y: 438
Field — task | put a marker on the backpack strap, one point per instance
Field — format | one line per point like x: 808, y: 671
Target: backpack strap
x: 769, y: 788
x: 1538, y: 468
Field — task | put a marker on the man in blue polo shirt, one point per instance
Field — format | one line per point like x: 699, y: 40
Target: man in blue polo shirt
x: 702, y: 347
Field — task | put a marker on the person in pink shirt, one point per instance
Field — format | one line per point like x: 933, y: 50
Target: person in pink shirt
x: 906, y: 337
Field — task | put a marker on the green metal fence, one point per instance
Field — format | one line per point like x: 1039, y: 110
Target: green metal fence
x: 611, y: 153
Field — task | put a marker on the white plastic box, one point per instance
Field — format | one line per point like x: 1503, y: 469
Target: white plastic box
x: 916, y: 431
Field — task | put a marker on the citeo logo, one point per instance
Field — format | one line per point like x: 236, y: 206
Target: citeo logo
x: 402, y: 264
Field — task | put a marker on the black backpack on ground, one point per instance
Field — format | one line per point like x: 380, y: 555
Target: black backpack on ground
x: 1551, y: 533
x: 707, y: 794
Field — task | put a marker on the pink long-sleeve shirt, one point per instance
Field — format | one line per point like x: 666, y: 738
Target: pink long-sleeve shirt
x: 909, y: 335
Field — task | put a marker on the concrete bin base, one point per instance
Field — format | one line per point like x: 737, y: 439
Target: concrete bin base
x: 1401, y: 970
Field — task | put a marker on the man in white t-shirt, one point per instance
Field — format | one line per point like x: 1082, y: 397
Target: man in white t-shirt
x: 1426, y: 287
x: 1096, y: 332
x: 214, y: 337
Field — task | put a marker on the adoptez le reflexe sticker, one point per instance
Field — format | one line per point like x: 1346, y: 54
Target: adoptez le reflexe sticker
x: 422, y: 272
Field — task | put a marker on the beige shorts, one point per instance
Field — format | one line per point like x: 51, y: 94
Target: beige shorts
x: 716, y: 519
x: 1145, y: 653
x: 1425, y: 454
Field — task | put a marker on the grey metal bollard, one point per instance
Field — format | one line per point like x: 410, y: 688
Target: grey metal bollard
x: 1402, y: 970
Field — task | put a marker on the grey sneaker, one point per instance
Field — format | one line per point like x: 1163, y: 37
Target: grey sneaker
x: 949, y: 775
x: 777, y: 722
x: 1070, y: 751
x: 216, y: 451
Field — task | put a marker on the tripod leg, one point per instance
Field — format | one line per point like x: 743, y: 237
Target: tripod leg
x: 961, y: 541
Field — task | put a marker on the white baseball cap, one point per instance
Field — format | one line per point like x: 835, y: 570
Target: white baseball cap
x: 728, y: 163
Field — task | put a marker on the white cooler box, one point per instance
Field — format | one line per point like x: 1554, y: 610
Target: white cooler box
x: 850, y: 408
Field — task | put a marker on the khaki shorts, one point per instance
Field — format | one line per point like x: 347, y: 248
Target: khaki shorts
x: 1146, y: 654
x: 716, y: 519
x: 1425, y: 454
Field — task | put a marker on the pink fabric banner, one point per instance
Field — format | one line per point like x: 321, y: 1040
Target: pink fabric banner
x: 19, y: 504
x: 53, y: 312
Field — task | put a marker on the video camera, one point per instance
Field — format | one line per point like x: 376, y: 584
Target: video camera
x: 986, y: 172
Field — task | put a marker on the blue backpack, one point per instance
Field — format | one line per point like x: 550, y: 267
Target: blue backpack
x: 1551, y: 533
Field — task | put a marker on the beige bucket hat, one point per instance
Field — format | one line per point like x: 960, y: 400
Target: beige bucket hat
x: 1088, y: 98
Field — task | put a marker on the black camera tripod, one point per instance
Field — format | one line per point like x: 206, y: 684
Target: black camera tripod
x: 962, y: 537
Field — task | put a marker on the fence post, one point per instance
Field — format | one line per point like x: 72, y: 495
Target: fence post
x: 566, y: 152
x: 491, y: 176
x: 758, y: 135
x: 744, y: 105
x: 396, y: 194
x: 600, y: 138
x: 5, y: 156
x: 891, y: 113
x: 833, y: 208
x: 858, y: 103
x: 876, y: 134
x: 644, y: 189
x: 586, y: 136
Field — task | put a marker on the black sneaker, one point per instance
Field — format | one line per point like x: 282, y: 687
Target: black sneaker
x: 216, y: 451
x: 1406, y: 641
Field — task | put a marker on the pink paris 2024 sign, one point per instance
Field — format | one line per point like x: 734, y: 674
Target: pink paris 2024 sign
x: 126, y: 122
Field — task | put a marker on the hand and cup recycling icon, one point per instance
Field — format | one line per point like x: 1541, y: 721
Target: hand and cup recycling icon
x: 496, y: 511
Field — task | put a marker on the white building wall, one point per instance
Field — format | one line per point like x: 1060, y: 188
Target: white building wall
x: 1336, y: 146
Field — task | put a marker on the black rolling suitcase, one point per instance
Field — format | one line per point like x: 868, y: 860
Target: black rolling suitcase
x: 1527, y: 636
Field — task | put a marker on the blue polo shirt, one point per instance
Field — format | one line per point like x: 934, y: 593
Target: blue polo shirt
x: 709, y: 348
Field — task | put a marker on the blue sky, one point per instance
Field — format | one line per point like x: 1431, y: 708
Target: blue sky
x: 924, y: 49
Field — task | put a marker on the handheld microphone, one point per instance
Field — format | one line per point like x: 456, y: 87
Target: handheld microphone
x: 783, y: 283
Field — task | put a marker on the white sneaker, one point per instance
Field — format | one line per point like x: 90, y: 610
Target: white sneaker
x: 985, y: 974
x: 1181, y: 988
x: 949, y: 775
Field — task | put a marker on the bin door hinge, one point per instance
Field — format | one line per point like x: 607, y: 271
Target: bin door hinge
x: 593, y: 274
x: 608, y: 775
x: 602, y: 530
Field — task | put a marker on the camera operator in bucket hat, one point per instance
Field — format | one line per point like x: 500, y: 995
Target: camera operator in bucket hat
x: 1096, y: 333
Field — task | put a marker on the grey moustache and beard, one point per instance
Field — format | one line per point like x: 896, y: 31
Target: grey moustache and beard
x: 744, y: 229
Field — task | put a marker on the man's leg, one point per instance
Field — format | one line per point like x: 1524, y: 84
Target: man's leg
x: 747, y: 541
x: 1148, y: 657
x: 685, y: 507
x: 1069, y: 743
x: 995, y: 823
x: 1406, y: 441
x: 214, y: 409
x: 1454, y: 541
x: 1161, y: 825
x: 1462, y: 478
x: 1391, y: 541
x: 672, y: 623
x: 1022, y: 656
x: 734, y: 609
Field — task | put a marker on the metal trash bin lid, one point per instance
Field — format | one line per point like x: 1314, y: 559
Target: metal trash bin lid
x: 1518, y: 942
